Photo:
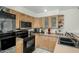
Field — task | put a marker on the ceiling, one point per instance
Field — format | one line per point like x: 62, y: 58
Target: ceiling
x: 40, y: 9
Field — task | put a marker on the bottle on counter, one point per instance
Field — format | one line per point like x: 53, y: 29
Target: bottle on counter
x: 49, y: 31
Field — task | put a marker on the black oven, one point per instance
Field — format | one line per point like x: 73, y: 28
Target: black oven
x: 29, y: 44
x: 28, y: 40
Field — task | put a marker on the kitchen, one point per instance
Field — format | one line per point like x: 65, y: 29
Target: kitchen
x: 44, y: 29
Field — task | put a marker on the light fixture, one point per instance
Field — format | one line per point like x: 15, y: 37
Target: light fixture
x: 45, y: 10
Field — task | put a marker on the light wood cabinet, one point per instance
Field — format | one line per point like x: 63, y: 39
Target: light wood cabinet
x: 55, y: 21
x: 37, y: 23
x: 52, y: 43
x: 37, y: 42
x: 45, y: 42
x: 42, y: 43
x: 19, y: 45
x: 45, y: 22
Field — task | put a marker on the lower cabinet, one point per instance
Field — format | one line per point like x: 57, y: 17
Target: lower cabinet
x: 52, y: 44
x: 37, y: 42
x: 19, y: 45
x: 45, y: 42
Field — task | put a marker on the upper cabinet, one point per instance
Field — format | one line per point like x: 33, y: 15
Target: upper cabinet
x: 37, y: 23
x: 46, y: 22
x: 53, y: 22
x: 49, y: 22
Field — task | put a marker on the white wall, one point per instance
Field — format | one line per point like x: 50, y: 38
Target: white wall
x: 71, y: 20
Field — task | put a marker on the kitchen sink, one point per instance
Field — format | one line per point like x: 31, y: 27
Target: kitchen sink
x: 69, y: 42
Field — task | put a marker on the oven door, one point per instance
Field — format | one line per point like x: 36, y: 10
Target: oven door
x: 29, y: 44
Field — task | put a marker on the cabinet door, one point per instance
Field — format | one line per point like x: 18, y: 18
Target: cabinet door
x: 19, y: 45
x: 42, y: 39
x: 52, y: 44
x: 46, y: 43
x: 37, y: 23
x: 54, y: 22
x: 46, y: 22
x: 37, y: 41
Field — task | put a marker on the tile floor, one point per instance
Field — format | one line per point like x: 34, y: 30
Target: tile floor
x: 9, y: 50
x: 12, y: 50
x: 38, y: 50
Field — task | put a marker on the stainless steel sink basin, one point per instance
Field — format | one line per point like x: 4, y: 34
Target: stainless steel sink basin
x: 69, y: 42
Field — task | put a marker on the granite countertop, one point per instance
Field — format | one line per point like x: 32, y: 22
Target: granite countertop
x: 59, y: 48
x: 50, y: 35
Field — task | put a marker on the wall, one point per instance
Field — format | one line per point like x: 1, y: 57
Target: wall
x: 71, y: 20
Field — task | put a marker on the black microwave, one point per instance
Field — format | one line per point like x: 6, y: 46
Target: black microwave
x: 25, y: 24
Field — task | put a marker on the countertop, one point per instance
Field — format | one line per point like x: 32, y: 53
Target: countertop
x: 50, y: 35
x: 65, y: 49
